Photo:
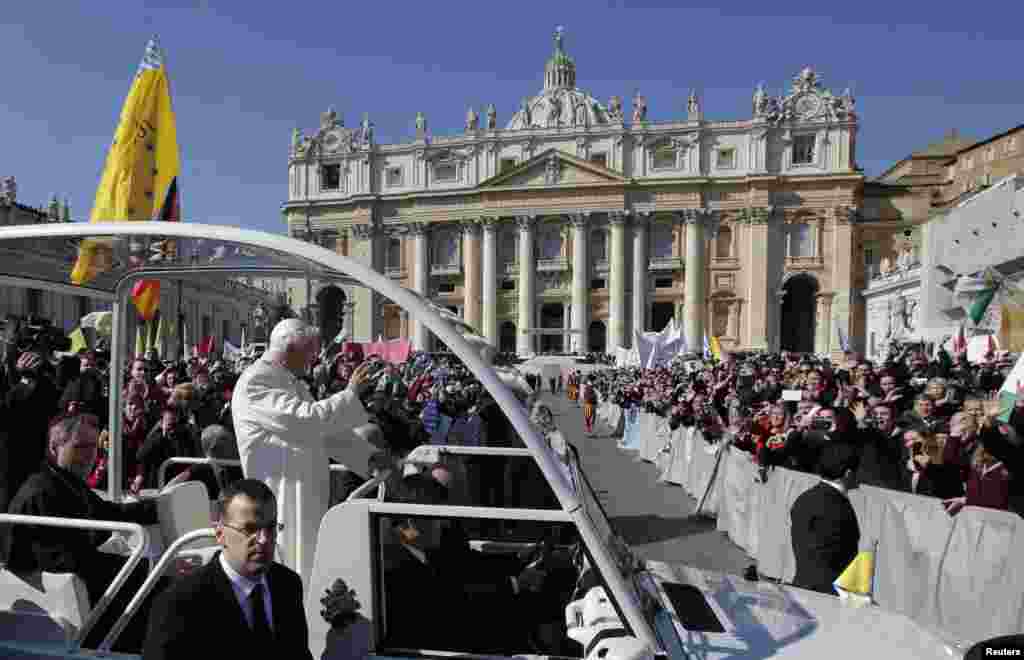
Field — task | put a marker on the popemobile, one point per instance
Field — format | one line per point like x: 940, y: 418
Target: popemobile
x: 612, y: 606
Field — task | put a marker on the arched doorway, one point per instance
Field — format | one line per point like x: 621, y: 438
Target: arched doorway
x: 507, y: 337
x: 596, y: 337
x: 552, y: 317
x: 331, y: 302
x: 661, y: 314
x: 798, y: 313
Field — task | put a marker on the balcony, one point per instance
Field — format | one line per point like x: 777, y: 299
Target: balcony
x: 557, y: 265
x: 445, y: 269
x: 510, y: 268
x: 665, y: 263
x: 600, y: 266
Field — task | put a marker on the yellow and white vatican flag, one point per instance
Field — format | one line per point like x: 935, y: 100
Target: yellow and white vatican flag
x: 857, y: 581
x: 140, y: 178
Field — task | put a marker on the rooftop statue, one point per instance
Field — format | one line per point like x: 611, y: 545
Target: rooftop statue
x: 615, y: 108
x: 472, y: 120
x: 492, y: 117
x: 421, y: 124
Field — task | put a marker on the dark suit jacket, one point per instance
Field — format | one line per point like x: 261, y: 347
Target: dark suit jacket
x: 56, y: 492
x: 421, y: 600
x: 825, y: 537
x: 200, y: 616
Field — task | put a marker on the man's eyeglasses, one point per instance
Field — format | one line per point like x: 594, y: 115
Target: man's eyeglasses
x: 270, y: 530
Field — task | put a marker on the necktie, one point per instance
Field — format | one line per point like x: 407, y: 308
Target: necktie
x: 260, y: 625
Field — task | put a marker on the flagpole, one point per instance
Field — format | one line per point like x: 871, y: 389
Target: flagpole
x: 181, y: 324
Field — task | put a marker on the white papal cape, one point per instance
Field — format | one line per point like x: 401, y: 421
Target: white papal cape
x: 285, y: 438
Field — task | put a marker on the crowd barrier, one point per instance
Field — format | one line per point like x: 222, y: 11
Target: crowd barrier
x: 962, y: 576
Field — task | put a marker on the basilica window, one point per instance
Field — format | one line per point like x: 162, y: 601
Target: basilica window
x: 720, y: 319
x: 393, y: 260
x: 446, y: 248
x: 550, y: 244
x: 394, y: 177
x: 598, y: 245
x: 446, y: 171
x: 723, y: 243
x: 599, y: 159
x: 800, y: 240
x: 508, y: 246
x: 661, y: 241
x: 727, y: 159
x: 664, y: 157
x: 803, y: 149
x: 330, y: 177
x: 663, y: 283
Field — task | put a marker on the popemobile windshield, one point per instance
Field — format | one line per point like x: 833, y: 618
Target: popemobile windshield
x: 609, y: 604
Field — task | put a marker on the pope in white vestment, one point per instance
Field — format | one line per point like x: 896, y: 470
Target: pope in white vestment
x: 285, y: 436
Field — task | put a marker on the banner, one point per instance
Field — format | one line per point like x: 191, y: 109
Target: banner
x: 395, y: 351
x: 139, y: 180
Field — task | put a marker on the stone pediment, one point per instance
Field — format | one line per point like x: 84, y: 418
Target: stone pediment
x: 553, y: 168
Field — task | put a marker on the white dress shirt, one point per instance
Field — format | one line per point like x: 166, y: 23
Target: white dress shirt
x: 243, y: 587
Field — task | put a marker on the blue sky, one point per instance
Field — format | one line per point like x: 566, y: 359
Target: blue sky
x: 245, y: 74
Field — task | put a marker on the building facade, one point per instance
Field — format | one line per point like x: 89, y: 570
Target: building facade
x: 963, y: 216
x: 225, y: 309
x: 581, y: 222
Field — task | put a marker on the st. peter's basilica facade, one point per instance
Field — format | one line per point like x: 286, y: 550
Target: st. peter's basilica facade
x: 581, y: 222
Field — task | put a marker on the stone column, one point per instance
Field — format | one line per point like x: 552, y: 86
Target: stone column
x: 490, y: 281
x: 471, y: 273
x: 844, y: 240
x: 764, y: 252
x: 580, y: 283
x: 694, y: 274
x: 823, y: 329
x: 365, y: 324
x: 527, y: 264
x: 617, y: 283
x: 640, y: 272
x: 420, y: 280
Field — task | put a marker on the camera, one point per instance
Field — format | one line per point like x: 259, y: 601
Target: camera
x: 35, y: 334
x: 821, y: 424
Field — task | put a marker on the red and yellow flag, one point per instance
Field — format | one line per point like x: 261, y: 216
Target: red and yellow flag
x: 139, y: 180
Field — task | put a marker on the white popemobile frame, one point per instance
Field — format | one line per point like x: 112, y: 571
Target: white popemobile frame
x: 355, y: 272
x: 760, y: 619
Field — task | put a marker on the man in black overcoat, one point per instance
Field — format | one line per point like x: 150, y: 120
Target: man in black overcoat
x: 825, y: 533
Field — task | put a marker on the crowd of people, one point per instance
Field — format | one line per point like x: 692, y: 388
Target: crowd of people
x: 930, y: 426
x: 934, y: 426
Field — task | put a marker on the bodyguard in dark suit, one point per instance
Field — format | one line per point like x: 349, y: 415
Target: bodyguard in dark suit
x: 241, y: 604
x: 825, y: 532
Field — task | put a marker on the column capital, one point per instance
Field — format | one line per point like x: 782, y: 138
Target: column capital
x: 490, y: 222
x: 365, y: 231
x: 580, y: 219
x: 845, y: 215
x: 471, y: 226
x: 527, y: 222
x: 418, y: 228
x: 695, y: 216
x: 618, y: 218
x: 642, y: 218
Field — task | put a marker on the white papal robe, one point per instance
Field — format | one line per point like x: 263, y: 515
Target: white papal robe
x: 285, y: 438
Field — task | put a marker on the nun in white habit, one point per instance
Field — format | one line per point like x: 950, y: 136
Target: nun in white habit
x: 285, y: 436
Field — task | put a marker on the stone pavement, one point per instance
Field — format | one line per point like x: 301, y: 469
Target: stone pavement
x: 656, y: 519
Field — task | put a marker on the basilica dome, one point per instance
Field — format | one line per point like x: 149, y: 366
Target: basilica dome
x: 561, y: 103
